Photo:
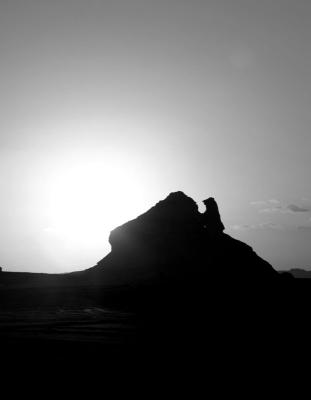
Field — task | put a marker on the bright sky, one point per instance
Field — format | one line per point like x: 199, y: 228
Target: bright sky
x: 107, y: 106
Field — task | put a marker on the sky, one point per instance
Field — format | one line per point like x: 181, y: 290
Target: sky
x: 108, y: 106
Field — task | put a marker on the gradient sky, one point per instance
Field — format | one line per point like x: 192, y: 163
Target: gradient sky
x: 107, y: 106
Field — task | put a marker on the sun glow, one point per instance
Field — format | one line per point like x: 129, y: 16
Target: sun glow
x: 89, y: 197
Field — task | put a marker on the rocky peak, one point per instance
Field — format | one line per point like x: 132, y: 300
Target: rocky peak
x: 174, y: 242
x: 176, y: 206
x: 211, y: 217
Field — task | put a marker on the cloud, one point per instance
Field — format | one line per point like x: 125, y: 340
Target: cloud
x: 295, y: 208
x: 292, y: 208
x: 270, y: 225
x: 274, y: 201
x: 237, y: 227
x: 258, y: 203
x: 262, y: 225
x: 265, y: 202
x: 273, y: 210
x: 275, y: 206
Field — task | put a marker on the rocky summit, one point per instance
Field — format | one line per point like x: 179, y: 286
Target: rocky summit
x: 175, y: 244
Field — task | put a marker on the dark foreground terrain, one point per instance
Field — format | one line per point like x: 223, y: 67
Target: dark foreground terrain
x: 72, y: 326
x: 142, y: 341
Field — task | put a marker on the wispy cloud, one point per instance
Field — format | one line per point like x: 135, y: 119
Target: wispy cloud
x: 296, y: 208
x: 238, y: 227
x: 274, y: 201
x: 262, y: 225
x: 271, y: 210
x: 275, y: 206
x: 258, y: 203
x: 270, y: 225
x: 265, y: 202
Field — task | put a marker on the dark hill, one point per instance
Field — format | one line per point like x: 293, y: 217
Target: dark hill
x: 169, y: 254
x: 171, y: 246
x: 174, y: 244
x: 299, y: 273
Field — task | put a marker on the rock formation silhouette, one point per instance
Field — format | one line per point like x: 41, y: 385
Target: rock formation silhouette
x: 174, y: 244
x: 188, y: 278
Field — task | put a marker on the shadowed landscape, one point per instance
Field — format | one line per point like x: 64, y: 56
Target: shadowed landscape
x: 113, y: 113
x: 172, y: 284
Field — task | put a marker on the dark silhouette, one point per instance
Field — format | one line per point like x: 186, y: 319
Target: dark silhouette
x: 299, y: 273
x: 211, y: 217
x: 174, y: 288
x: 174, y: 244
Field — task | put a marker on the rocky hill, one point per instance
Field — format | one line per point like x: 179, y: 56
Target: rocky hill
x: 173, y: 243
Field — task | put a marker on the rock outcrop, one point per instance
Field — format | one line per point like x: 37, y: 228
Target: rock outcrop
x: 211, y: 217
x: 174, y: 244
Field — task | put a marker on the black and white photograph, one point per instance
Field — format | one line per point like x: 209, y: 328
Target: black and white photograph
x: 155, y: 197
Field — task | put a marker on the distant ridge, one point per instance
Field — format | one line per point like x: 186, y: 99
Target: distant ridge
x: 300, y: 273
